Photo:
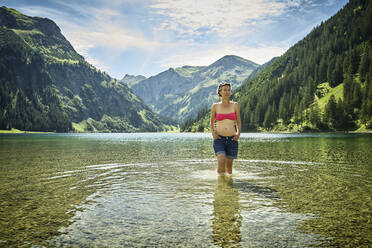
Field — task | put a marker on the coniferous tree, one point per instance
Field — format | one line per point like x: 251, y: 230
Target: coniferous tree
x: 364, y: 64
x: 366, y: 110
x: 315, y: 116
x: 354, y: 60
x: 337, y: 75
x: 268, y: 117
x: 284, y: 108
x: 331, y: 112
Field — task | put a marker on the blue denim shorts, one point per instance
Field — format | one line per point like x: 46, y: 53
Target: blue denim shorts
x: 226, y: 145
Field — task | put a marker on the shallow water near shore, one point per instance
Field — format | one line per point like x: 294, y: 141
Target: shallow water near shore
x: 162, y: 189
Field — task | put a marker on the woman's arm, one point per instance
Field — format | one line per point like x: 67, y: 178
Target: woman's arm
x: 213, y: 119
x: 238, y: 121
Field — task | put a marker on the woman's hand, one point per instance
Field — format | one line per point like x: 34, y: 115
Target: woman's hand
x: 215, y: 135
x: 236, y: 137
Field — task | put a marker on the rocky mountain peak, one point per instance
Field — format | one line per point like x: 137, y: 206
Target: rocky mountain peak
x: 131, y: 80
x: 231, y: 61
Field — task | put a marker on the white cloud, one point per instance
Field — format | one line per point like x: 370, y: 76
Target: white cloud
x: 204, y: 56
x: 224, y: 17
x: 100, y: 28
x: 202, y: 31
x: 105, y: 29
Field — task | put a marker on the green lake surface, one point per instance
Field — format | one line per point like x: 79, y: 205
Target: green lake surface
x: 162, y: 190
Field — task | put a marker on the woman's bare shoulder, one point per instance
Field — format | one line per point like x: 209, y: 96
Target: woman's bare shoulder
x: 236, y: 106
x: 214, y: 105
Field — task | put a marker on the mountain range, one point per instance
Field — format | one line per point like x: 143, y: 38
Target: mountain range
x: 323, y: 82
x: 179, y: 93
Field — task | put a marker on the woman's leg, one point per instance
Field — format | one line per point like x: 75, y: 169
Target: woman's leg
x: 221, y: 158
x: 228, y: 165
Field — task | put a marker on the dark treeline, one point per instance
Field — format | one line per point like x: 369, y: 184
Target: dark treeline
x: 338, y: 51
x: 187, y: 126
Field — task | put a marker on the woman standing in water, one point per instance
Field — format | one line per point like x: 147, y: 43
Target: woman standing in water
x: 226, y: 132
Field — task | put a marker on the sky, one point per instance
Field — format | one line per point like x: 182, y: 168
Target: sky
x: 146, y: 37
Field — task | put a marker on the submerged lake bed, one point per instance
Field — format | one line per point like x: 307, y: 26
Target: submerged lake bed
x: 162, y: 189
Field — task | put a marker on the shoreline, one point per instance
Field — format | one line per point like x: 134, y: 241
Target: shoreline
x: 17, y: 131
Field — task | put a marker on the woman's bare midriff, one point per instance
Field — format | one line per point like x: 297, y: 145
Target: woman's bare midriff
x: 226, y: 127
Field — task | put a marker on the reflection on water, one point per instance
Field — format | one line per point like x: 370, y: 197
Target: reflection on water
x: 226, y: 214
x: 124, y: 190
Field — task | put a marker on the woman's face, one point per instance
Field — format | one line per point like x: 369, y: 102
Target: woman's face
x: 225, y: 91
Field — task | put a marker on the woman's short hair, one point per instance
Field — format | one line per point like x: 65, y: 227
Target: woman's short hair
x: 219, y: 88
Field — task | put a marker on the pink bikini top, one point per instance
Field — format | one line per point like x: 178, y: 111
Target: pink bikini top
x: 230, y: 116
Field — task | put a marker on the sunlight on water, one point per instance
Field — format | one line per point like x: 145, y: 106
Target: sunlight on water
x: 194, y: 199
x: 162, y: 190
x: 280, y: 162
x: 212, y: 175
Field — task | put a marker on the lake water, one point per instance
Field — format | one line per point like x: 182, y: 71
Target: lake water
x: 161, y: 189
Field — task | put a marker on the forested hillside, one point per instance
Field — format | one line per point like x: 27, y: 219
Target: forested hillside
x: 321, y: 83
x: 45, y: 85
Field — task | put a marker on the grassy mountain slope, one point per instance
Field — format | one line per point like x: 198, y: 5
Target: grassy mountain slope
x: 45, y: 85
